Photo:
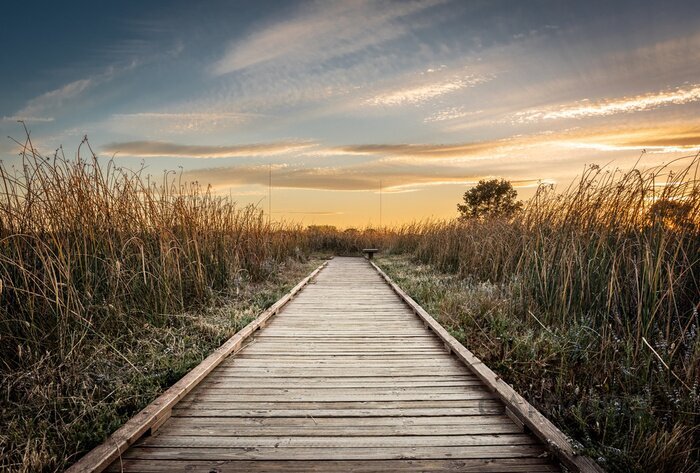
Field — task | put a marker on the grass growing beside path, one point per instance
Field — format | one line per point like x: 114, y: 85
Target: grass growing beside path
x: 55, y: 409
x: 567, y: 371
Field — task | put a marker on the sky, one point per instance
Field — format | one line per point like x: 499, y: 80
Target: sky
x: 335, y: 99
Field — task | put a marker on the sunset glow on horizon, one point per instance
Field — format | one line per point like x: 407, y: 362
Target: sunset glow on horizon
x: 333, y: 98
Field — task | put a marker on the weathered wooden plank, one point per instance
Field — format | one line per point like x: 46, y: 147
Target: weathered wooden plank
x: 208, y: 429
x: 334, y: 372
x: 520, y: 465
x: 369, y: 381
x: 340, y: 342
x: 371, y: 344
x: 232, y: 391
x: 356, y: 337
x: 311, y: 405
x: 187, y: 441
x: 307, y: 364
x: 486, y: 409
x: 338, y: 333
x: 267, y: 350
x: 343, y: 353
x: 306, y: 421
x: 438, y: 359
x: 358, y: 396
x: 320, y: 453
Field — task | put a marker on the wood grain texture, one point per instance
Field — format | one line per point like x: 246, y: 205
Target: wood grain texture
x: 491, y: 465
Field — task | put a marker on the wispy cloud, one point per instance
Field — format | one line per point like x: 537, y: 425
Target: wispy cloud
x: 49, y: 101
x: 28, y: 119
x: 662, y: 139
x: 181, y: 122
x: 451, y: 113
x: 54, y: 101
x: 320, y: 32
x: 665, y: 138
x: 349, y: 178
x: 586, y: 108
x: 163, y: 149
x: 431, y: 151
x: 425, y: 92
x: 403, y: 179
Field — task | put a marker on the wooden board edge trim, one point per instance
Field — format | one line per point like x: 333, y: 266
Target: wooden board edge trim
x: 100, y: 457
x: 554, y: 439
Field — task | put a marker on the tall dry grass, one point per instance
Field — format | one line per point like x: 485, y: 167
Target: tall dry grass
x: 618, y: 249
x: 97, y: 266
x: 84, y: 247
x: 609, y: 272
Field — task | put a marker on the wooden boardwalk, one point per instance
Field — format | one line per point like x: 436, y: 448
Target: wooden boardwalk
x: 345, y: 377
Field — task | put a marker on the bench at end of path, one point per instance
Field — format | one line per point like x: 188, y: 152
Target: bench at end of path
x: 370, y: 252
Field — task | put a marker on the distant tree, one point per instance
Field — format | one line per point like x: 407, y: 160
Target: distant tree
x: 490, y: 198
x: 322, y: 228
x: 672, y: 214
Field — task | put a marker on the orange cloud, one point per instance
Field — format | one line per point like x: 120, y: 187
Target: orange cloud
x: 163, y: 149
x: 403, y: 177
x: 669, y: 138
x: 436, y: 151
x: 404, y: 167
